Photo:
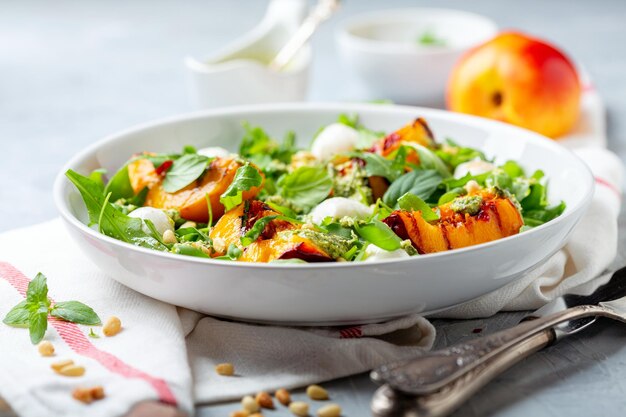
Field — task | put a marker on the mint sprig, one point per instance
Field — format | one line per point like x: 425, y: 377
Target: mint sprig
x: 34, y: 311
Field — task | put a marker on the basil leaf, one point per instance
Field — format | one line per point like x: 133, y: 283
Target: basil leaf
x: 119, y: 185
x: 37, y: 291
x: 411, y: 202
x: 75, y: 312
x: 379, y: 234
x: 306, y: 186
x: 256, y: 230
x: 421, y: 183
x: 378, y: 166
x: 184, y: 171
x: 246, y: 178
x: 18, y: 315
x: 38, y: 324
x: 449, y: 196
x: 428, y: 160
x: 113, y: 222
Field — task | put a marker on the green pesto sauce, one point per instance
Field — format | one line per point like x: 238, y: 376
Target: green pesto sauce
x: 354, y: 185
x: 468, y: 204
x: 335, y: 246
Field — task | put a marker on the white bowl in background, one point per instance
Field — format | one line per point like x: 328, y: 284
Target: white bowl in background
x: 382, y: 49
x: 326, y: 293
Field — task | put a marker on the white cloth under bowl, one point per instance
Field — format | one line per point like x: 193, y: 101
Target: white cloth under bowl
x: 169, y: 354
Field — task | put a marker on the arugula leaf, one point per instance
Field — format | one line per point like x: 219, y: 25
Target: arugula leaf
x: 256, y: 230
x: 379, y: 234
x: 537, y: 217
x: 38, y: 324
x: 513, y: 169
x: 450, y: 195
x: 306, y: 186
x: 97, y: 175
x: 184, y: 171
x: 189, y: 149
x: 255, y: 142
x: 234, y: 252
x: 459, y: 154
x: 185, y: 249
x: 246, y: 178
x: 411, y: 202
x: 421, y: 183
x: 18, y: 315
x: 429, y: 160
x: 75, y: 312
x: 113, y: 222
x: 119, y: 185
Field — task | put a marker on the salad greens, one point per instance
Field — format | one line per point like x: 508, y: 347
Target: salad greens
x: 277, y: 202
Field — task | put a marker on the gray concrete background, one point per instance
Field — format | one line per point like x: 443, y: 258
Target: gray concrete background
x: 72, y: 72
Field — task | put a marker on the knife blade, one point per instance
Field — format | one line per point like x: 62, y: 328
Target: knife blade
x: 434, y: 370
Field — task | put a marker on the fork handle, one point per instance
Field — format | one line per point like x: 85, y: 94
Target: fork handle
x: 388, y: 402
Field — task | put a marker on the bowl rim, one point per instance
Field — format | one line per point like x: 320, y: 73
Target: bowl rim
x: 63, y: 207
x: 344, y: 33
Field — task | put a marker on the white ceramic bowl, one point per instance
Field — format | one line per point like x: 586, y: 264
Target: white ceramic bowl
x: 382, y: 49
x: 330, y: 293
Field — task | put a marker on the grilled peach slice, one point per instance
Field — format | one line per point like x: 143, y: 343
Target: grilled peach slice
x: 191, y: 200
x: 417, y: 132
x: 496, y: 218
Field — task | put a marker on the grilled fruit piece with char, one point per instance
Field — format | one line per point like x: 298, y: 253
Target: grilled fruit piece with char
x: 191, y: 201
x: 465, y: 221
x: 417, y: 132
x: 280, y: 239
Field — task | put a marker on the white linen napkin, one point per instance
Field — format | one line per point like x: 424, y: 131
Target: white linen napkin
x: 169, y: 354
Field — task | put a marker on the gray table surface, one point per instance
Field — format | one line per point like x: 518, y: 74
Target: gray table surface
x: 72, y: 72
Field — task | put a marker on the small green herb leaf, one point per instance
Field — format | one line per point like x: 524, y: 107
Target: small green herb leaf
x: 376, y: 165
x: 234, y: 252
x: 379, y: 234
x: 184, y: 171
x: 37, y: 290
x: 119, y: 185
x: 306, y: 186
x: 246, y: 178
x: 256, y: 230
x: 38, y: 324
x: 75, y: 312
x: 421, y: 183
x: 18, y: 315
x: 93, y: 335
x: 411, y: 202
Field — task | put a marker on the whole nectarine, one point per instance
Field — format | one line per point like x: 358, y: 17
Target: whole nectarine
x: 520, y: 80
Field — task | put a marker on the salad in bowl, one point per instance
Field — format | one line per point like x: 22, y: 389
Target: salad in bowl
x: 354, y: 195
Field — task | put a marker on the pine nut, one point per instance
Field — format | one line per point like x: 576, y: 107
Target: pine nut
x: 188, y: 224
x: 250, y: 404
x: 299, y: 408
x: 45, y: 348
x: 72, y: 370
x: 315, y: 392
x: 97, y: 392
x: 283, y: 397
x: 88, y: 395
x: 265, y: 400
x: 169, y: 237
x: 57, y: 366
x: 330, y: 410
x: 112, y: 326
x: 225, y: 369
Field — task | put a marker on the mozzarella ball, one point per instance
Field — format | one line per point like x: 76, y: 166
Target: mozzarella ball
x: 375, y: 253
x: 474, y: 167
x: 333, y: 139
x: 214, y: 151
x: 339, y: 207
x: 161, y: 221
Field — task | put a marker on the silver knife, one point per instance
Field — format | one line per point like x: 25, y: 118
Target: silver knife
x: 440, y: 377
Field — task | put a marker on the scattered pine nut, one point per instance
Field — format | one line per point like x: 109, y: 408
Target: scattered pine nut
x: 315, y: 392
x: 188, y: 224
x: 72, y: 370
x: 112, y: 326
x: 250, y: 404
x: 57, y: 366
x: 169, y: 237
x: 240, y: 413
x: 283, y: 397
x: 45, y: 348
x: 264, y: 400
x: 299, y: 408
x: 225, y: 369
x: 330, y: 410
x: 88, y: 395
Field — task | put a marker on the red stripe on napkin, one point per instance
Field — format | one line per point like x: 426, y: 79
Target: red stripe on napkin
x: 350, y: 332
x: 610, y: 186
x: 79, y: 343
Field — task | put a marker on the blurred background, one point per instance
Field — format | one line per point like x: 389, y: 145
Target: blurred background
x: 72, y: 72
